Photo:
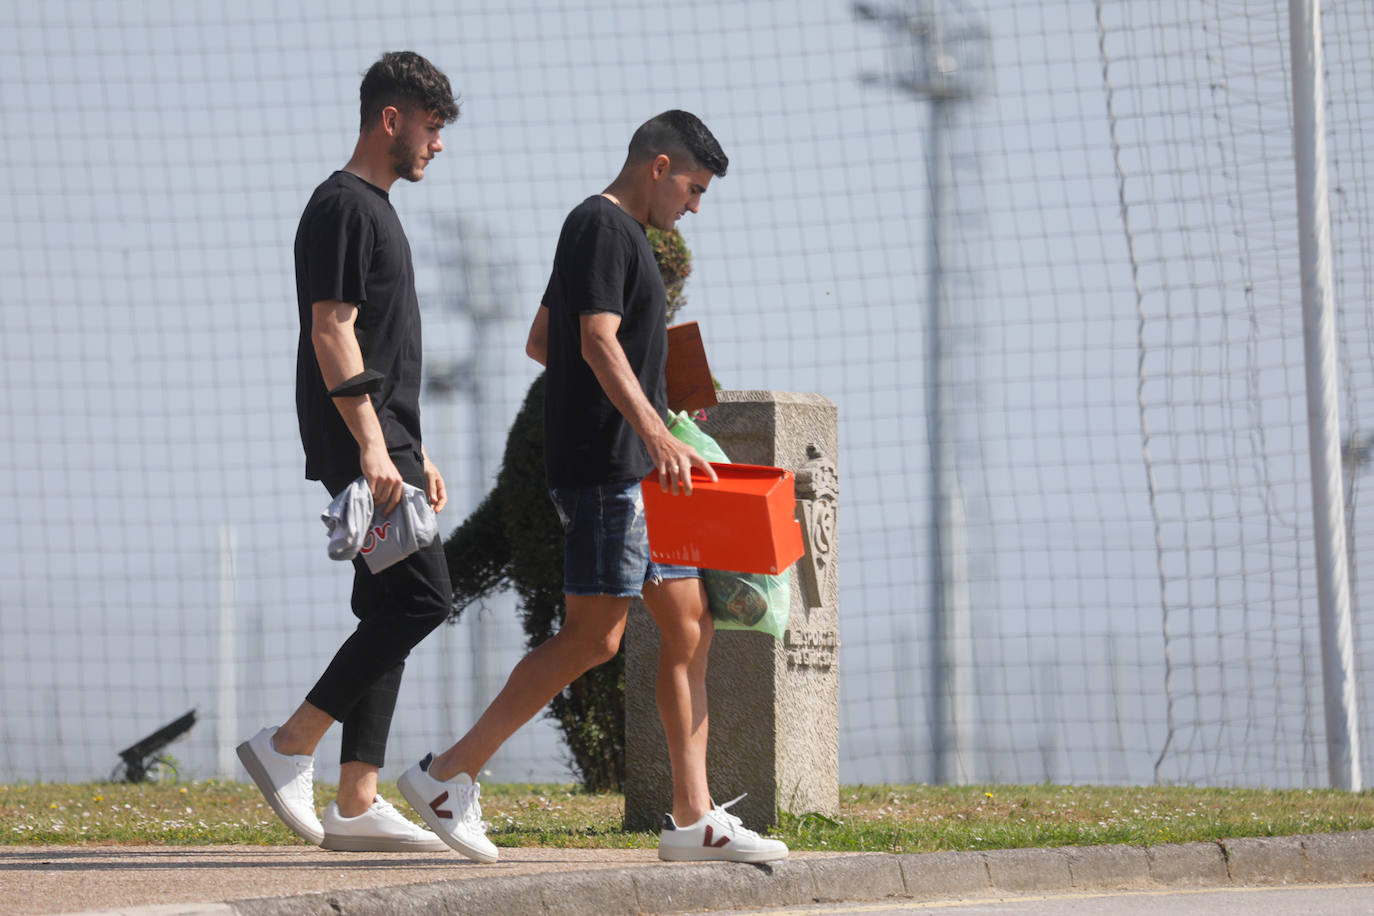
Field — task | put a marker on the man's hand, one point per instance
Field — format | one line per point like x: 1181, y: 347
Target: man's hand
x: 383, y: 479
x: 675, y: 460
x: 434, y: 486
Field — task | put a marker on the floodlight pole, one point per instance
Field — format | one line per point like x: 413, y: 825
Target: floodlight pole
x: 950, y: 706
x: 1323, y: 417
x: 951, y: 714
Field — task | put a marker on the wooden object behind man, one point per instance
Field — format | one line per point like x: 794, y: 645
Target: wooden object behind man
x: 687, y: 376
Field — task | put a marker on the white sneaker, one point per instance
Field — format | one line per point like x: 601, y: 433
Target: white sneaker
x: 286, y: 781
x: 381, y: 828
x: 451, y: 809
x: 718, y: 836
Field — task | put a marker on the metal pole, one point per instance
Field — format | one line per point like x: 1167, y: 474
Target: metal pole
x: 950, y: 715
x: 940, y: 705
x: 1323, y: 420
x: 227, y: 715
x: 482, y: 635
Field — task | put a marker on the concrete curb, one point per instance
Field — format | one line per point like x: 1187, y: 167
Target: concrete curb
x: 665, y: 889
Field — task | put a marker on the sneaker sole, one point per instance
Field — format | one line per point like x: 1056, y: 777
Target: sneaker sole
x: 421, y: 805
x: 249, y: 759
x: 698, y: 854
x: 340, y: 843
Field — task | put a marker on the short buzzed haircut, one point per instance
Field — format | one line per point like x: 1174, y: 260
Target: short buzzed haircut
x: 407, y: 81
x: 678, y: 134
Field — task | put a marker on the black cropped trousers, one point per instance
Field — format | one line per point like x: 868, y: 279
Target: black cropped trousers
x: 396, y: 608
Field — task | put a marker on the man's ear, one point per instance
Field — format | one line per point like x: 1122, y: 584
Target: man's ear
x: 661, y: 166
x: 391, y: 119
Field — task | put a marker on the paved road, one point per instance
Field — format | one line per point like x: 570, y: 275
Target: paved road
x: 1320, y: 900
x: 304, y: 881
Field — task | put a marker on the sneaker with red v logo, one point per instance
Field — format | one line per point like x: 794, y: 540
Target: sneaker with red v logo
x: 452, y: 809
x: 718, y: 836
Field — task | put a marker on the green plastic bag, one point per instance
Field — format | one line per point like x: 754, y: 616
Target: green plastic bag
x: 682, y: 426
x: 738, y: 601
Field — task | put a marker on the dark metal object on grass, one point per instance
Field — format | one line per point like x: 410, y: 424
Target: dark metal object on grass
x: 145, y: 757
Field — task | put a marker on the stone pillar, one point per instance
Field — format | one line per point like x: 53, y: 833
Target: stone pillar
x: 774, y: 706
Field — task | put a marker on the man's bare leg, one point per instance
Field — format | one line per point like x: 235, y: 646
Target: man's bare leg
x: 301, y: 734
x: 679, y: 608
x: 590, y: 635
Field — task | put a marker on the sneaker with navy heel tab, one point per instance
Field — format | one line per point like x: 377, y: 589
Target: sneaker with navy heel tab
x: 451, y: 808
x: 718, y: 837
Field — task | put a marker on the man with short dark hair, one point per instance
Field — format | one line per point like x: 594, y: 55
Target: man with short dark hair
x: 357, y: 400
x: 601, y: 332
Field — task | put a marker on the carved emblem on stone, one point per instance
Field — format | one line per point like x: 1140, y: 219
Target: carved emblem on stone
x: 818, y: 496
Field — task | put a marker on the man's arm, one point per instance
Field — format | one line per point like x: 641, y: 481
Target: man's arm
x: 340, y: 358
x: 537, y: 344
x: 602, y: 351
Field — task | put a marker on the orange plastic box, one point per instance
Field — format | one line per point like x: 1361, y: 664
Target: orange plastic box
x: 744, y: 522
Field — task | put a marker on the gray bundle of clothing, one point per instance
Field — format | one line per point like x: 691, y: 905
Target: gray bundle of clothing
x: 357, y: 528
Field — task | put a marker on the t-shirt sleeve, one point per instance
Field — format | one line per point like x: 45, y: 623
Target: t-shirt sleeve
x: 593, y: 274
x: 338, y: 255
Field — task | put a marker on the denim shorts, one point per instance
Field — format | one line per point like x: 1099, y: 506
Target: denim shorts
x: 606, y: 541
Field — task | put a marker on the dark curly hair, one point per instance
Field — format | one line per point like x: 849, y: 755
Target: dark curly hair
x: 405, y: 79
x: 677, y: 134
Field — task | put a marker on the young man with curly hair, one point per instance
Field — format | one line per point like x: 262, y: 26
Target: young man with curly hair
x: 357, y: 399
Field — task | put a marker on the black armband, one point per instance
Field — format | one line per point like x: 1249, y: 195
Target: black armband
x: 365, y: 382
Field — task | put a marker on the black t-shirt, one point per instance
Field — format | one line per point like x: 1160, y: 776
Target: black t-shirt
x: 350, y: 247
x: 603, y: 264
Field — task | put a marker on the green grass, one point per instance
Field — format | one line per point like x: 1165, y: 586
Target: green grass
x: 871, y: 819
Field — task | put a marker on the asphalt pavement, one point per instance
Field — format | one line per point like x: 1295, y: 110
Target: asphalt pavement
x: 304, y: 881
